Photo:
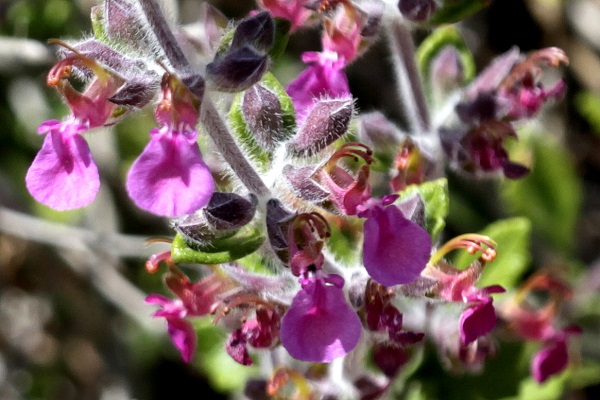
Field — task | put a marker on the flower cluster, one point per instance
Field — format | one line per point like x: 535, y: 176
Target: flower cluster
x: 323, y: 239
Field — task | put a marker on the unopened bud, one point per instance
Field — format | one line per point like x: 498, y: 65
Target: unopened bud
x: 237, y: 70
x: 223, y: 215
x: 257, y: 30
x: 327, y: 121
x: 229, y: 210
x: 262, y: 111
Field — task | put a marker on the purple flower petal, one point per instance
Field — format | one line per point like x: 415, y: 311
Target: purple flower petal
x: 63, y: 174
x: 550, y: 360
x: 169, y: 178
x: 183, y: 337
x: 395, y: 249
x: 477, y: 321
x: 324, y: 78
x: 320, y: 325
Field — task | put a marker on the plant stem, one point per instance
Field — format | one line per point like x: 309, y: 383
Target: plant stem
x: 217, y: 130
x: 165, y: 37
x: 407, y: 76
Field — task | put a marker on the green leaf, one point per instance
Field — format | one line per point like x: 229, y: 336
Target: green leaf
x: 455, y: 10
x: 550, y: 196
x: 588, y: 105
x: 430, y: 48
x: 513, y: 237
x: 218, y: 251
x: 435, y: 196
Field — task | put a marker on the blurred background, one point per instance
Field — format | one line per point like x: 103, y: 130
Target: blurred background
x: 73, y: 322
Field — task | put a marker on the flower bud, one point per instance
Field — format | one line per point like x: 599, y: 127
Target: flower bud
x: 237, y: 70
x: 257, y: 30
x: 263, y: 114
x: 222, y: 216
x: 327, y: 121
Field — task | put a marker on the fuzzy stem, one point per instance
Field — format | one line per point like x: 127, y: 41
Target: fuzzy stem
x: 209, y: 115
x: 165, y: 37
x: 217, y: 130
x: 407, y: 76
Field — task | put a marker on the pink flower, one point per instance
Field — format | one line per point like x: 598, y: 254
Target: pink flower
x: 63, y: 174
x: 342, y: 32
x: 292, y: 10
x: 323, y: 78
x: 320, y: 326
x: 170, y: 178
x: 346, y: 191
x: 395, y: 249
x: 180, y: 330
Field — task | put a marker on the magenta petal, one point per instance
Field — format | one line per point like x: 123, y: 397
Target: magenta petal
x: 477, y: 321
x: 183, y: 337
x: 395, y: 249
x: 550, y: 360
x: 169, y: 178
x: 324, y: 78
x: 63, y: 174
x: 320, y: 325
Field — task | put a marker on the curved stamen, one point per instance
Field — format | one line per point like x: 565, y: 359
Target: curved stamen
x: 472, y: 243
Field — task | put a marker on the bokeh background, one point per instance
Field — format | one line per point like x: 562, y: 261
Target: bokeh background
x: 73, y: 323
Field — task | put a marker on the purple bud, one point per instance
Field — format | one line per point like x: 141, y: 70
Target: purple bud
x: 417, y: 10
x: 327, y: 121
x: 262, y: 111
x: 257, y: 31
x: 224, y: 213
x: 230, y: 210
x: 237, y: 70
x: 136, y: 93
x: 302, y: 185
x: 278, y: 222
